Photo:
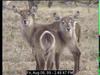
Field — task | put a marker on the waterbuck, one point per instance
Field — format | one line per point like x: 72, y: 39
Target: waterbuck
x: 48, y: 41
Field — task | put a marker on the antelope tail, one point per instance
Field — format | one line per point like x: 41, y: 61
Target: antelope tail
x: 47, y: 41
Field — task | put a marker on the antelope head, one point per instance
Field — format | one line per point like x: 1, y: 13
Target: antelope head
x: 25, y: 15
x: 67, y: 25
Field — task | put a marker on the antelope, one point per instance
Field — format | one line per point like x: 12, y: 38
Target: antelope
x: 48, y: 41
x: 64, y: 33
x: 43, y: 45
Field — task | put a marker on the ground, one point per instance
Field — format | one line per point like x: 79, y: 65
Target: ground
x: 17, y: 54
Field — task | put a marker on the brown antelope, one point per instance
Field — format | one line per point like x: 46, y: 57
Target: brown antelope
x: 48, y: 41
x: 41, y: 40
x: 64, y: 32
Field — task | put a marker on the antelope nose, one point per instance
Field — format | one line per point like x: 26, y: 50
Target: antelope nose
x: 68, y: 29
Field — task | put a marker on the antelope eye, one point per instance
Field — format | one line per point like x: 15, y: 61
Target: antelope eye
x: 24, y: 21
x: 63, y: 22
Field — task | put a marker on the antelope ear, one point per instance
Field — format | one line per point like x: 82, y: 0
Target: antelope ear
x: 33, y: 10
x: 76, y: 15
x: 29, y: 12
x: 75, y: 22
x: 56, y: 16
x: 14, y: 8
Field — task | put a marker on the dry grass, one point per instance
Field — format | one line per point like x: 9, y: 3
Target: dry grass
x: 17, y: 55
